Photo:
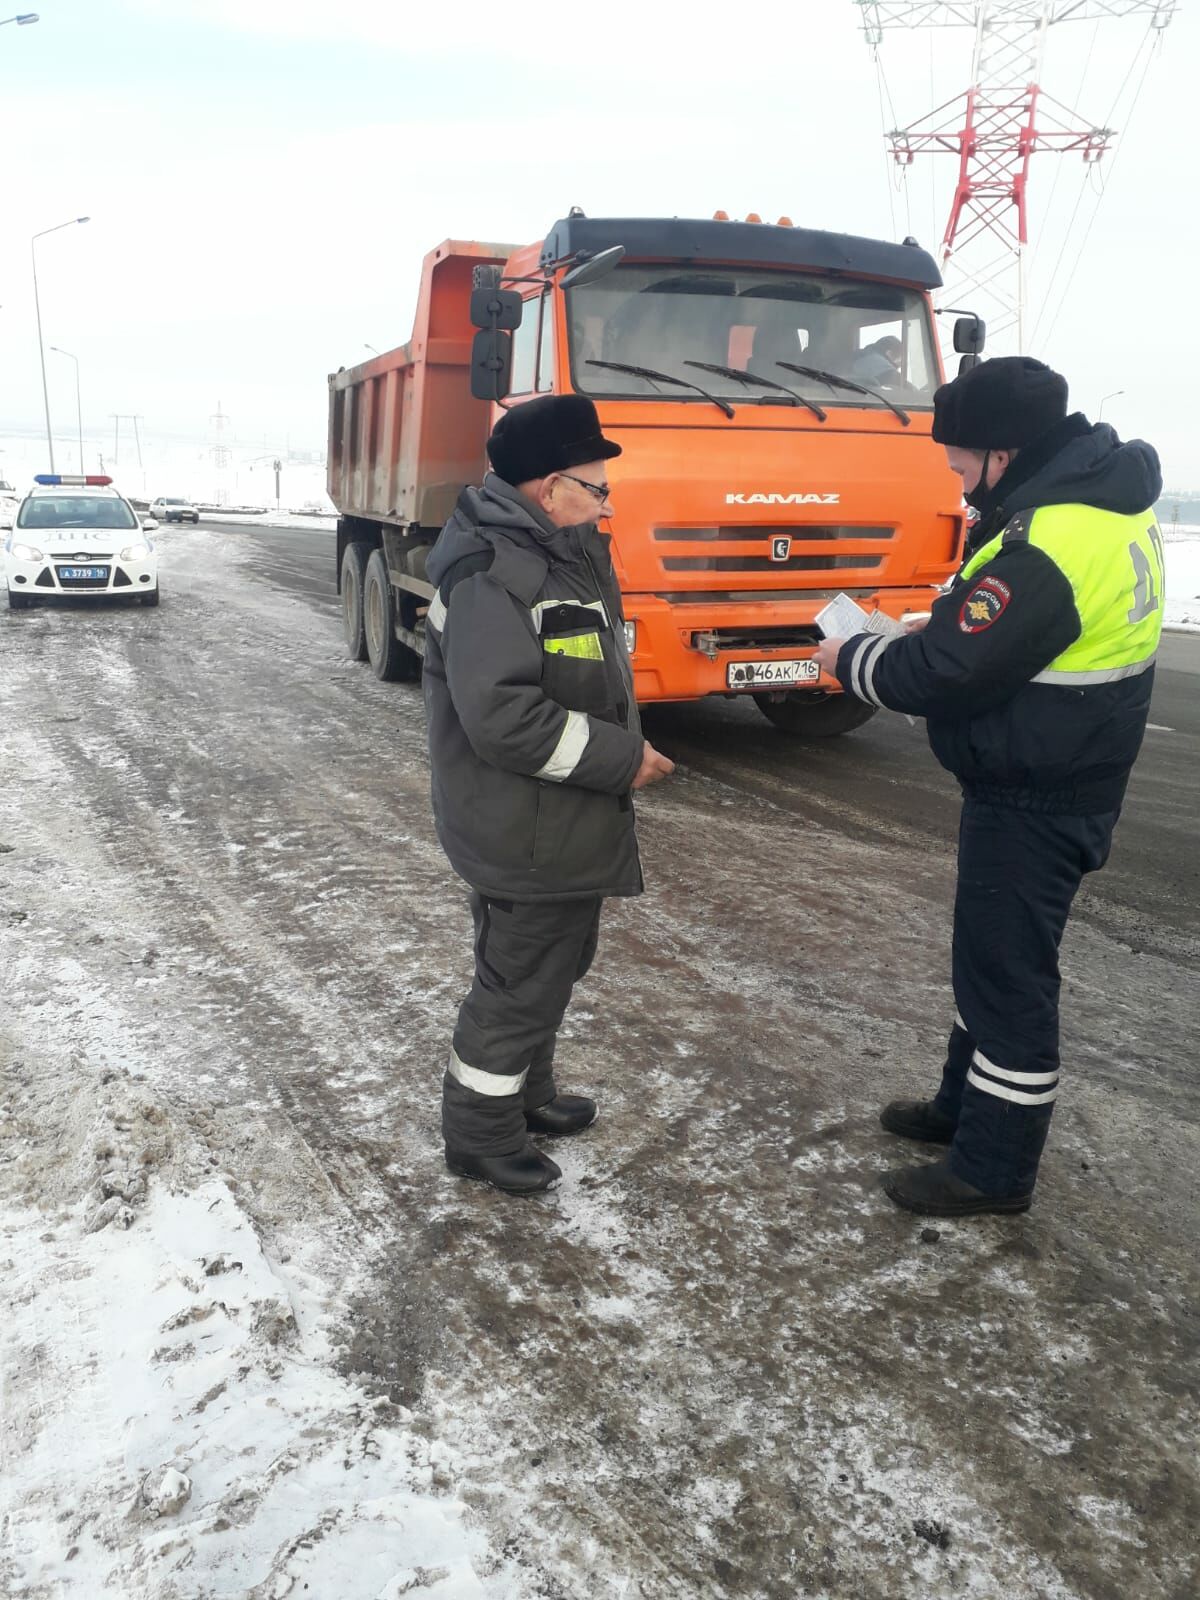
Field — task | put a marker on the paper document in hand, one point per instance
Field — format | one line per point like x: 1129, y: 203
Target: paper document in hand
x: 842, y: 618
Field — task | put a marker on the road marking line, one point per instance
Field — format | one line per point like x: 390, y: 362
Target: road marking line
x: 1157, y: 727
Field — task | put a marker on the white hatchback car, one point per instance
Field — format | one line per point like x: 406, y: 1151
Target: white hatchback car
x: 165, y: 509
x: 78, y: 536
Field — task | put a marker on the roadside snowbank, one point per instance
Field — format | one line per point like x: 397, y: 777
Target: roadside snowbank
x: 273, y: 519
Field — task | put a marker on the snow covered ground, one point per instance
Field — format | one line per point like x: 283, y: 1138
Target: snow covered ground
x: 1183, y: 577
x: 257, y: 1346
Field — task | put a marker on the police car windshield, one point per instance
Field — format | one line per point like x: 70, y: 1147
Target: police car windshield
x: 877, y: 335
x: 75, y: 511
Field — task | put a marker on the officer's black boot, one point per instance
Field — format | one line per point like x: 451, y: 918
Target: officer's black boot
x: 918, y: 1119
x: 527, y: 1171
x: 936, y: 1192
x: 565, y: 1114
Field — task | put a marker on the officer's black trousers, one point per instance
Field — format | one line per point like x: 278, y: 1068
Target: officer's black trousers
x: 1018, y: 872
x: 528, y: 957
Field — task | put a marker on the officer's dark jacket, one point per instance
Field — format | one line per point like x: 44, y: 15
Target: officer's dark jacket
x: 1036, y: 668
x: 534, y: 737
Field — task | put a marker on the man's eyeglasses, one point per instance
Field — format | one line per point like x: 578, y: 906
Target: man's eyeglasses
x: 600, y: 490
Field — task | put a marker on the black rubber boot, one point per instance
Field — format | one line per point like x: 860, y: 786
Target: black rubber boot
x: 936, y: 1192
x: 526, y: 1172
x: 917, y: 1119
x: 566, y: 1113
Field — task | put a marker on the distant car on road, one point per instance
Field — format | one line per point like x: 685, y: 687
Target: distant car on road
x: 77, y: 536
x: 166, y: 509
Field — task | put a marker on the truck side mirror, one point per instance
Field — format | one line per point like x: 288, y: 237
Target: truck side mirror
x: 495, y: 308
x: 491, y: 363
x: 594, y: 267
x: 969, y: 336
x: 966, y: 363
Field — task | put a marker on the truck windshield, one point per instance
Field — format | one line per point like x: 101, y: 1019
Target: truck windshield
x: 875, y: 334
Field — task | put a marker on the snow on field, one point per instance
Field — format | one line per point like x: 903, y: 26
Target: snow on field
x: 1183, y: 578
x: 164, y: 467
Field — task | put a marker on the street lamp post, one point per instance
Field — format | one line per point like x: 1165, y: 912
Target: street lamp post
x: 78, y: 406
x: 1112, y: 396
x: 37, y: 306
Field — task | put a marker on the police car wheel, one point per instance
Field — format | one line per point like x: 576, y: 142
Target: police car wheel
x: 815, y: 715
x: 20, y: 602
x: 149, y: 597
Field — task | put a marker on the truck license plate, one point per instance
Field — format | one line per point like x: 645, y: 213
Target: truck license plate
x: 771, y: 674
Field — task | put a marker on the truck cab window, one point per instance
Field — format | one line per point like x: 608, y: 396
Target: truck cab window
x: 524, y: 348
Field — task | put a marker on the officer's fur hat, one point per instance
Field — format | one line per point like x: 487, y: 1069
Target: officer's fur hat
x: 547, y: 435
x: 1004, y: 404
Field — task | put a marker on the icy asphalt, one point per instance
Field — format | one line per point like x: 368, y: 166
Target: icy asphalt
x: 715, y: 1362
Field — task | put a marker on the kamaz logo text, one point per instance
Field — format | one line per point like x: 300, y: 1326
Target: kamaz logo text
x: 782, y: 499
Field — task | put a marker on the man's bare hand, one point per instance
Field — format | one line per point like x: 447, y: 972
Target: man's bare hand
x: 826, y: 655
x: 654, y: 766
x: 917, y: 623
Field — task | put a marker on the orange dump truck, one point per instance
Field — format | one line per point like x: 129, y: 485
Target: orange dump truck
x: 772, y: 390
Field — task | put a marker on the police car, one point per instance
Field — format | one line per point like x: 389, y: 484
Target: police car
x: 78, y: 536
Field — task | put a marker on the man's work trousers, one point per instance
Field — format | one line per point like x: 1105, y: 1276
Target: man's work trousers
x: 528, y: 957
x: 1018, y: 872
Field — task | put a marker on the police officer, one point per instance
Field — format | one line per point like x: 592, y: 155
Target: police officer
x: 1034, y: 674
x: 535, y: 746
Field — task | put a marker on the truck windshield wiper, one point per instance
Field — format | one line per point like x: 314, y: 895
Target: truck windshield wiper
x: 662, y: 377
x: 836, y: 382
x: 763, y: 383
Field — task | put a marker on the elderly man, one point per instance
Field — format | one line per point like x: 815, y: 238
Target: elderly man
x: 535, y: 746
x: 1034, y: 674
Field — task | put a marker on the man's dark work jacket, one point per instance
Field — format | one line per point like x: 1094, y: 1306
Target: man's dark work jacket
x: 534, y: 737
x: 1036, y: 668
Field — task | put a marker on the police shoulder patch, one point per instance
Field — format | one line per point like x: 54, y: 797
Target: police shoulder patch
x: 983, y: 605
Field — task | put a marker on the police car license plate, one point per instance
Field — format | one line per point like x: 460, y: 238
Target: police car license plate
x: 770, y: 674
x: 75, y: 574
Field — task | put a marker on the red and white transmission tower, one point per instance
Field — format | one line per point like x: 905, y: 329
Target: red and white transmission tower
x: 994, y: 129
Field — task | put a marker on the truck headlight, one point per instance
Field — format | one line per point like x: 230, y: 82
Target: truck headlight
x: 136, y: 552
x: 26, y: 552
x: 631, y: 637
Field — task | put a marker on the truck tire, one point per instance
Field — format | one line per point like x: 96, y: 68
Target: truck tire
x: 354, y: 569
x: 391, y: 661
x: 814, y: 713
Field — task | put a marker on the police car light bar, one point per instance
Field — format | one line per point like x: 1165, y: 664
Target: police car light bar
x: 59, y: 478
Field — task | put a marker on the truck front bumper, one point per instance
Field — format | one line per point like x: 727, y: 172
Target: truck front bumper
x: 683, y: 650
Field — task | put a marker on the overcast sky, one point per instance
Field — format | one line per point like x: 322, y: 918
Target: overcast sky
x: 263, y: 178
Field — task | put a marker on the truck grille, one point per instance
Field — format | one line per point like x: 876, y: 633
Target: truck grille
x: 799, y: 636
x: 826, y: 547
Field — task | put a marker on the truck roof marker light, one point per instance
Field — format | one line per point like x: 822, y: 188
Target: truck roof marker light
x: 785, y: 222
x: 54, y: 478
x: 720, y: 216
x: 753, y: 216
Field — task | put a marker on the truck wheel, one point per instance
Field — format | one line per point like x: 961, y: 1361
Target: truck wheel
x: 815, y: 714
x: 354, y: 567
x: 391, y: 660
